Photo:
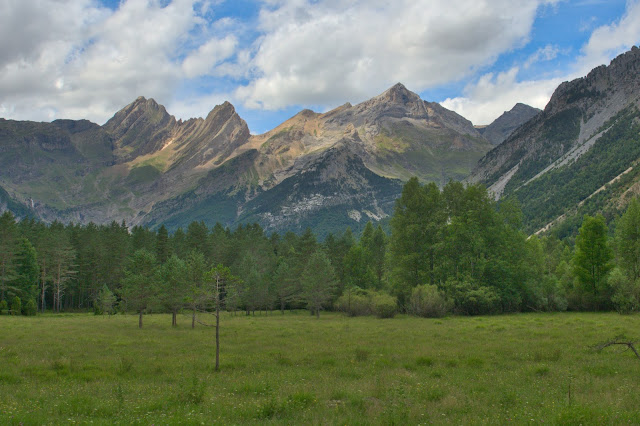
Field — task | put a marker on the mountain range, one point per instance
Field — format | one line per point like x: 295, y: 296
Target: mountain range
x: 327, y: 170
x: 578, y: 156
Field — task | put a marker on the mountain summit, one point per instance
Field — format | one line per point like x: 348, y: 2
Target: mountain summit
x: 328, y: 170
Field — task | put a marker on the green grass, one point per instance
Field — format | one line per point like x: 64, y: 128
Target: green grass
x: 295, y: 369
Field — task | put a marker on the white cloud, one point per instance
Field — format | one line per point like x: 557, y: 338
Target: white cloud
x: 203, y: 61
x: 196, y: 107
x: 546, y: 53
x: 492, y: 95
x: 485, y: 100
x: 329, y: 51
x: 77, y: 59
x: 610, y: 40
x: 74, y: 59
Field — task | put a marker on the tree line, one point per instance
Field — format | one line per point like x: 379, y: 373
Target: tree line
x: 449, y: 250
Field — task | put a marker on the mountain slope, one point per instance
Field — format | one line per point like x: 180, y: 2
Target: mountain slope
x: 587, y: 135
x: 503, y: 126
x: 401, y: 136
x: 326, y: 171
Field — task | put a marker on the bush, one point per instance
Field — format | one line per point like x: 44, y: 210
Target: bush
x: 3, y: 306
x: 356, y: 301
x: 429, y: 302
x: 16, y: 306
x: 481, y: 301
x: 30, y: 308
x: 626, y: 296
x: 384, y: 305
x: 471, y: 300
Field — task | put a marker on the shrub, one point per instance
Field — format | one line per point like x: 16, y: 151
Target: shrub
x: 626, y: 296
x: 16, y: 306
x: 472, y: 300
x: 384, y: 305
x: 429, y: 302
x: 481, y: 301
x: 3, y: 306
x: 30, y: 308
x: 356, y: 301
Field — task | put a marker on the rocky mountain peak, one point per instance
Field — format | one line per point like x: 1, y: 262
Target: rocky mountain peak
x: 226, y: 110
x: 509, y: 121
x: 140, y: 128
x: 399, y: 94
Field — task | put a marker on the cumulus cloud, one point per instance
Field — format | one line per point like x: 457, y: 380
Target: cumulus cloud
x: 608, y: 40
x: 492, y: 95
x: 73, y: 58
x: 203, y: 61
x: 77, y: 59
x: 328, y: 51
x: 485, y: 100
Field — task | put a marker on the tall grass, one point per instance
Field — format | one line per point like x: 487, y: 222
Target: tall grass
x: 296, y: 369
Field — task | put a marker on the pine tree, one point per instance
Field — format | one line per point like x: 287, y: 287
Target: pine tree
x: 106, y: 300
x: 62, y: 263
x: 27, y: 270
x: 318, y: 282
x: 140, y: 283
x: 196, y: 295
x: 286, y: 286
x: 173, y: 286
x: 162, y: 244
x: 8, y: 253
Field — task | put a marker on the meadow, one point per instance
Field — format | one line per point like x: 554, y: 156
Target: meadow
x: 296, y: 369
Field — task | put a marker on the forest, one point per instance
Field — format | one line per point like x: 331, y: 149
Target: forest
x: 448, y: 251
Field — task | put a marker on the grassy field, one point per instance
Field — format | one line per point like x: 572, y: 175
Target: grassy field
x: 295, y: 369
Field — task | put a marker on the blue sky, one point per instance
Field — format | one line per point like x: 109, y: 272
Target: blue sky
x: 271, y: 58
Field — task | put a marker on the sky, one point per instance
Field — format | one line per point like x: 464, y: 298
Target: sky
x: 271, y: 58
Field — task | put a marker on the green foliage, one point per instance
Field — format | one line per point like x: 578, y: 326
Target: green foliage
x: 357, y: 302
x: 173, y: 286
x: 8, y: 254
x: 140, y: 284
x: 162, y: 244
x: 561, y: 189
x: 3, y: 306
x: 354, y: 302
x: 470, y: 300
x: 429, y: 302
x: 626, y: 291
x: 16, y: 306
x: 105, y: 303
x: 592, y: 259
x: 417, y: 228
x: 627, y: 240
x: 458, y: 235
x: 30, y: 308
x: 318, y: 282
x: 384, y: 305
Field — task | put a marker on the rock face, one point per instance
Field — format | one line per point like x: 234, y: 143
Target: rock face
x: 580, y: 141
x: 327, y: 171
x: 504, y: 125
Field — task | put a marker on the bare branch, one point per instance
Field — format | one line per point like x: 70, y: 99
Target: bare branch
x: 618, y: 341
